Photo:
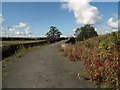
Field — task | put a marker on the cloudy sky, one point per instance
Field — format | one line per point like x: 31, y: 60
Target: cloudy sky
x: 34, y: 18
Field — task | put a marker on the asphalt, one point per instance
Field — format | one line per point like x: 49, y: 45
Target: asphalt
x: 45, y: 68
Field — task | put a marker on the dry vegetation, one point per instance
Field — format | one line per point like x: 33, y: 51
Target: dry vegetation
x: 100, y: 55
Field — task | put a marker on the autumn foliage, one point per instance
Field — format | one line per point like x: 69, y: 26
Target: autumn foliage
x: 100, y: 55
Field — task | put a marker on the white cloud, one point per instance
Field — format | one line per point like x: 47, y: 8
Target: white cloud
x: 23, y: 25
x: 1, y: 20
x: 19, y: 30
x: 74, y: 30
x: 114, y: 30
x: 107, y: 31
x: 115, y: 15
x: 113, y: 24
x: 83, y: 11
x: 64, y: 6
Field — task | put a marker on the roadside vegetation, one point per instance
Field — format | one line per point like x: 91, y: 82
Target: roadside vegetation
x: 100, y: 55
x: 16, y: 56
x: 4, y: 43
x: 19, y: 54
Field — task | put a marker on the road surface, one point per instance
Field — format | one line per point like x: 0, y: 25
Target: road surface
x: 45, y: 68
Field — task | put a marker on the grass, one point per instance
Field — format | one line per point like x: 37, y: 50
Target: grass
x: 100, y: 55
x: 4, y: 43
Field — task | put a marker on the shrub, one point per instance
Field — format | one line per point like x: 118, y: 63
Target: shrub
x: 88, y: 44
x: 101, y: 59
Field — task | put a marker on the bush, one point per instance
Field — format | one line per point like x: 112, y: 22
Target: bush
x: 88, y: 44
x: 101, y: 59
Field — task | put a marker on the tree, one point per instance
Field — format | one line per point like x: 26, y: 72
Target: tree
x: 54, y: 33
x: 77, y: 31
x: 86, y: 32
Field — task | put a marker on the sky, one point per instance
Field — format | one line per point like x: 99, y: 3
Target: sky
x: 35, y: 18
x: 54, y: 0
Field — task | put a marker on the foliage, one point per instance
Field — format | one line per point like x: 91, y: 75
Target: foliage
x: 88, y: 44
x: 54, y: 33
x: 77, y: 31
x: 19, y: 42
x: 100, y: 55
x: 86, y: 32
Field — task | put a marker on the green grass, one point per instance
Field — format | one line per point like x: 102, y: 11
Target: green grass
x: 4, y: 43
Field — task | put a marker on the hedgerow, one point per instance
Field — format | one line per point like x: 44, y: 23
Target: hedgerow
x: 100, y: 55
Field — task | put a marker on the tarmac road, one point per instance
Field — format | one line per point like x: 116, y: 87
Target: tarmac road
x: 45, y: 68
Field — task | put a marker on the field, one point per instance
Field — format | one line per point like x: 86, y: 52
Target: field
x: 6, y: 43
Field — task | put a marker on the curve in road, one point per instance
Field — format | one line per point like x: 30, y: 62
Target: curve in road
x: 45, y: 68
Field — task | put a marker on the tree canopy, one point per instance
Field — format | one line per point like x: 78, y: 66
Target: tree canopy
x: 86, y: 32
x: 54, y: 33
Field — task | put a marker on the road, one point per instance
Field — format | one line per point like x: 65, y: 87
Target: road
x: 45, y: 68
